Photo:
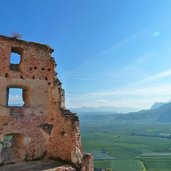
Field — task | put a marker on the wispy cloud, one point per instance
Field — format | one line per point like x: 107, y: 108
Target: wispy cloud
x: 160, y: 75
x: 125, y: 41
x: 91, y: 60
x: 155, y: 77
x: 125, y: 73
x: 138, y: 95
x: 90, y: 79
x: 140, y: 91
x: 145, y: 57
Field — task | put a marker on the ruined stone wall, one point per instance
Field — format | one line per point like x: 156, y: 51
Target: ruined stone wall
x: 42, y: 127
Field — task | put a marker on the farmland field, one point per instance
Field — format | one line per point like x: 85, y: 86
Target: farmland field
x: 133, y: 146
x: 118, y: 165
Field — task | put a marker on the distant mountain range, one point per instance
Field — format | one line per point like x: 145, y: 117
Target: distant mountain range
x: 159, y: 112
x: 157, y: 105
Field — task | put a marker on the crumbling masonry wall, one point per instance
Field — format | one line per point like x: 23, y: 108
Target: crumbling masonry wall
x: 42, y: 127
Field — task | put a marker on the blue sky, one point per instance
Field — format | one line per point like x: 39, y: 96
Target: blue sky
x: 109, y: 52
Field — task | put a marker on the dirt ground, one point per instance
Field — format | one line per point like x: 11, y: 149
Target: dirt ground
x: 43, y: 165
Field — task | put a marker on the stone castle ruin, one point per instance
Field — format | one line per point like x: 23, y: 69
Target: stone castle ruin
x: 41, y: 127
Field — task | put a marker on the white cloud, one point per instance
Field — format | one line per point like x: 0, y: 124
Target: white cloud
x: 140, y: 97
x: 159, y: 75
x: 15, y: 99
x: 125, y: 102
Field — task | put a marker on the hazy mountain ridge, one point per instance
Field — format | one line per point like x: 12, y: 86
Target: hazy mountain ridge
x: 157, y: 105
x: 160, y: 113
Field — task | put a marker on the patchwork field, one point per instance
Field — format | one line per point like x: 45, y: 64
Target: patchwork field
x: 119, y: 165
x: 134, y: 146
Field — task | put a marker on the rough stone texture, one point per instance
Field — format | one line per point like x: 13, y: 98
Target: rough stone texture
x: 42, y: 127
x: 87, y: 162
x: 63, y: 168
x: 40, y: 165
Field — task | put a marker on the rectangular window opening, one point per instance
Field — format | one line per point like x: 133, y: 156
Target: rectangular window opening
x: 15, y: 59
x: 15, y: 97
